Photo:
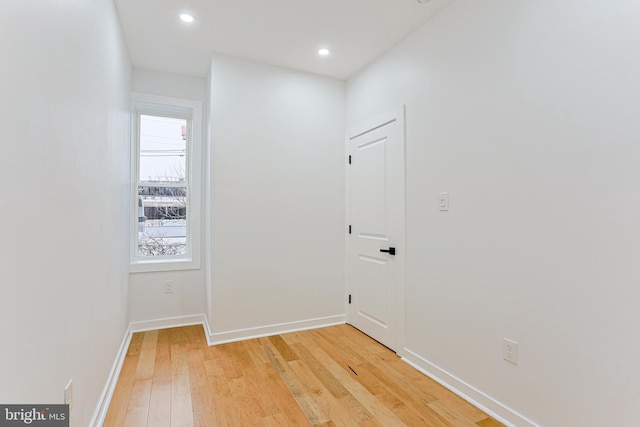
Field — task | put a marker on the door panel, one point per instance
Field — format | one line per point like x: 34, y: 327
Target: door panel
x: 376, y: 214
x: 370, y: 183
x: 372, y: 282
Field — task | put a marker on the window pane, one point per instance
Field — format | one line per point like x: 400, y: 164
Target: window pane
x: 162, y: 221
x: 163, y: 149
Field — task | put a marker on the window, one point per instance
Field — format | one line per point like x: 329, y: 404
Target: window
x: 166, y: 184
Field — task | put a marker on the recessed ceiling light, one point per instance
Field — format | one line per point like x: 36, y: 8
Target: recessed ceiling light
x: 187, y: 17
x: 323, y: 51
x: 424, y: 1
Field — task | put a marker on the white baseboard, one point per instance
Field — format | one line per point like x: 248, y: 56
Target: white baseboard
x: 107, y: 393
x: 207, y: 330
x: 471, y: 394
x: 280, y: 328
x: 170, y: 322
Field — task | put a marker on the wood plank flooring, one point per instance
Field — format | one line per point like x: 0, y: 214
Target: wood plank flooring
x: 333, y: 376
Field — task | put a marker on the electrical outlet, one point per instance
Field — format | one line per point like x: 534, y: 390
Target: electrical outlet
x: 510, y: 351
x: 68, y: 394
x: 168, y: 287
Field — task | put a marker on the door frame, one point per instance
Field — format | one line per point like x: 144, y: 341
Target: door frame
x: 397, y: 114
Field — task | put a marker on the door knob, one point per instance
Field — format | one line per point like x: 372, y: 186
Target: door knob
x: 390, y: 251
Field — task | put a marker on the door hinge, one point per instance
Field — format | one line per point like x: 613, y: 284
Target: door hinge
x: 349, y: 229
x: 349, y: 298
x: 349, y: 159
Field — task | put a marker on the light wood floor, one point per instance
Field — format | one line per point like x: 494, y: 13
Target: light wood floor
x: 333, y: 376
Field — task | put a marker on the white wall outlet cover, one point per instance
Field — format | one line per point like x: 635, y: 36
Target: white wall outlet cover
x: 68, y: 393
x: 510, y: 351
x: 168, y: 287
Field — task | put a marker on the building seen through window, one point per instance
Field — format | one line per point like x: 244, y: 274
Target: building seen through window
x: 162, y: 186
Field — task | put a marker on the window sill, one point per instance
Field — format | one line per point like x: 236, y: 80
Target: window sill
x: 144, y: 266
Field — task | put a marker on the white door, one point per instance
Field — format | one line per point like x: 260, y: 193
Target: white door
x: 375, y: 214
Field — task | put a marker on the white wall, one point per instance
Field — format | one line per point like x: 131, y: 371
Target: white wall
x: 64, y: 168
x: 277, y: 197
x: 527, y: 114
x: 147, y: 300
x: 171, y: 85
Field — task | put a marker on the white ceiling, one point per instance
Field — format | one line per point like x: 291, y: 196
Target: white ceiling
x: 285, y: 33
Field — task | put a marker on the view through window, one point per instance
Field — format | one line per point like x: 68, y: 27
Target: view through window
x: 163, y: 186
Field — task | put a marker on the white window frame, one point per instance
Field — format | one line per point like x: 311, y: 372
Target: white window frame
x: 179, y: 108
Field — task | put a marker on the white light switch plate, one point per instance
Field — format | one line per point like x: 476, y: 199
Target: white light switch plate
x: 443, y: 199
